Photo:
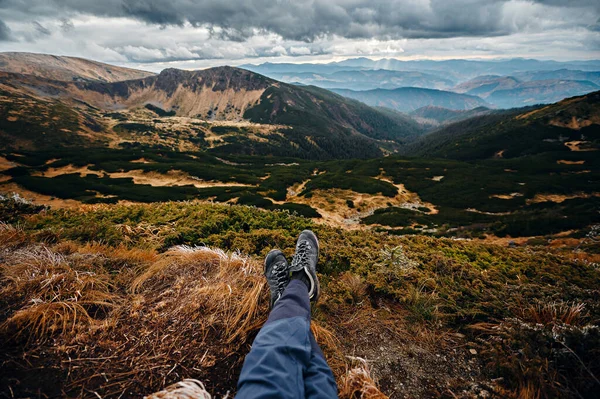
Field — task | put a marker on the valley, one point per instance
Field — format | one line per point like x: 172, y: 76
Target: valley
x: 231, y: 136
x: 460, y: 240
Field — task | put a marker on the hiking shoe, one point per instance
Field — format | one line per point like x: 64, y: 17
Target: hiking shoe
x: 304, y: 263
x: 277, y: 274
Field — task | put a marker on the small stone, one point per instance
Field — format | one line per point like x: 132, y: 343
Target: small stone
x: 473, y: 351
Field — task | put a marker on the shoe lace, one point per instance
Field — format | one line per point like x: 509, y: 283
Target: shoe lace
x: 280, y: 275
x: 301, y: 255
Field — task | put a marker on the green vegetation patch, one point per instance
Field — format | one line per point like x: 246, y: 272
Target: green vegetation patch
x: 134, y: 127
x: 159, y: 111
x: 349, y: 181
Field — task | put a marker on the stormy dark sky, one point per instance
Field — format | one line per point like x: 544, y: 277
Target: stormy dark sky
x: 191, y: 34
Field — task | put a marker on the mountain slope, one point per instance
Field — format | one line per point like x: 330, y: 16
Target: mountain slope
x: 66, y: 68
x: 406, y: 99
x: 313, y: 107
x: 569, y: 125
x: 221, y: 93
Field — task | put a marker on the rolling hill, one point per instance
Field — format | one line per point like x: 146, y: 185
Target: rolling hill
x: 540, y: 92
x: 66, y: 68
x: 563, y: 74
x: 510, y: 92
x: 408, y: 99
x: 483, y: 86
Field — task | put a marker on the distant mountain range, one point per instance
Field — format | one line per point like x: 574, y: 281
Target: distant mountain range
x: 561, y: 74
x: 528, y: 81
x: 406, y: 99
x: 458, y: 70
x: 431, y: 116
x: 365, y: 79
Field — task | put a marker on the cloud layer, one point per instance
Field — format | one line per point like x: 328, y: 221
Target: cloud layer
x: 160, y: 31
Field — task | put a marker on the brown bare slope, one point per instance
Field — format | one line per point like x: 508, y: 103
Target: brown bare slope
x: 221, y: 93
x: 66, y: 68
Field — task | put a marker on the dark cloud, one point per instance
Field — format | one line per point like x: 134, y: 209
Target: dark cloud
x: 66, y: 25
x: 237, y: 29
x: 5, y: 33
x: 41, y: 29
x: 303, y: 20
x: 570, y: 3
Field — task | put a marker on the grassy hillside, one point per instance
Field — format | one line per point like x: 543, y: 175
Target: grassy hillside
x: 520, y: 132
x: 98, y: 300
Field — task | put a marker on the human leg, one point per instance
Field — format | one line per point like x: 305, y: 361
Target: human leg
x: 282, y: 350
x: 285, y: 360
x: 319, y: 382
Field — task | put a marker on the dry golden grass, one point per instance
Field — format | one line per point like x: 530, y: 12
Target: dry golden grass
x: 355, y: 285
x: 40, y: 320
x: 56, y: 296
x: 358, y: 383
x: 190, y: 308
x: 556, y: 312
x: 132, y: 320
x: 526, y: 391
x: 11, y: 235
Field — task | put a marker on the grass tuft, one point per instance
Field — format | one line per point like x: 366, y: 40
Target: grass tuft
x: 359, y: 384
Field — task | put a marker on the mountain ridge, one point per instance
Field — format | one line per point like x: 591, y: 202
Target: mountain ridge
x: 65, y: 68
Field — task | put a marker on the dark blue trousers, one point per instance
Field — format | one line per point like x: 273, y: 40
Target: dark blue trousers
x: 285, y: 360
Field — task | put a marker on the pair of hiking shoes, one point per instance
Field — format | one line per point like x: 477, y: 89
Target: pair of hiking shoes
x: 279, y: 272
